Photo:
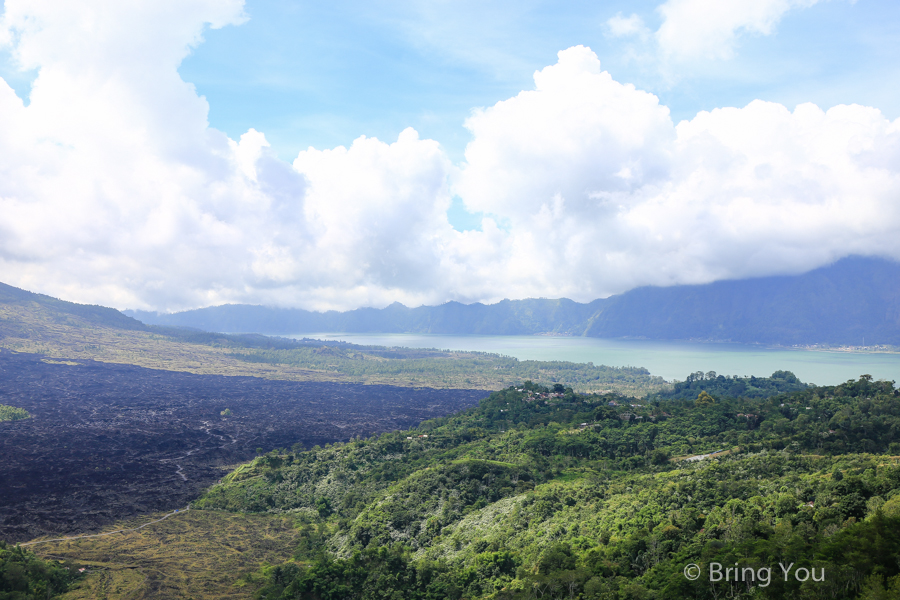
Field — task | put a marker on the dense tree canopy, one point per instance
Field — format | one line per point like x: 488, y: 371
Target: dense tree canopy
x: 545, y: 493
x: 24, y: 576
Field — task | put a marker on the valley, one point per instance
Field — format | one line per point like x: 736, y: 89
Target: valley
x: 322, y: 470
x: 107, y: 442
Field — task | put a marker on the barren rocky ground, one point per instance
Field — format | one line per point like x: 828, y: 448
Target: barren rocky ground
x: 111, y: 441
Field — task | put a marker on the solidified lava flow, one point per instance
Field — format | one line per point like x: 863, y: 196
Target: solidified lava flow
x: 109, y: 441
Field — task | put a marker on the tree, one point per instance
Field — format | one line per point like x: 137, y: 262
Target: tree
x: 704, y: 399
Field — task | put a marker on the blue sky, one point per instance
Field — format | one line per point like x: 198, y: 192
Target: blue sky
x: 172, y: 154
x: 322, y: 74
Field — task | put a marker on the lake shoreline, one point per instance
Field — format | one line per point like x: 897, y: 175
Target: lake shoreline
x: 673, y: 360
x: 879, y: 349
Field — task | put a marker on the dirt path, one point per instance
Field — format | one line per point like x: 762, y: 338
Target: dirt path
x: 93, y: 535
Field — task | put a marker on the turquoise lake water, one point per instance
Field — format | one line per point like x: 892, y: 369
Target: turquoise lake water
x: 671, y: 360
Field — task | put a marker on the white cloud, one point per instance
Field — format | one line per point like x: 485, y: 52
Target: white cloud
x: 604, y: 192
x: 111, y: 184
x: 708, y: 29
x: 619, y: 26
x: 114, y: 190
x: 578, y: 130
x: 377, y: 220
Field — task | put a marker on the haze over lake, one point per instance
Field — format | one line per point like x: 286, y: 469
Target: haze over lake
x: 669, y: 359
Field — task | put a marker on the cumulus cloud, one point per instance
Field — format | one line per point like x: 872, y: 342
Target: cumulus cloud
x: 604, y: 192
x: 378, y: 214
x: 114, y: 189
x: 111, y: 175
x: 708, y: 29
x: 578, y: 130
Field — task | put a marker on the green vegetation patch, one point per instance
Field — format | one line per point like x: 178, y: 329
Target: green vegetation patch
x: 632, y: 535
x: 437, y: 368
x: 416, y: 509
x: 12, y: 413
x: 544, y: 492
x: 24, y: 576
x: 734, y: 386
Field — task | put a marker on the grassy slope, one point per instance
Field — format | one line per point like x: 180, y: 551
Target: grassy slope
x: 35, y: 328
x: 193, y: 555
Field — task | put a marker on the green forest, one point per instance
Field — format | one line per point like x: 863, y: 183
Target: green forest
x: 541, y: 492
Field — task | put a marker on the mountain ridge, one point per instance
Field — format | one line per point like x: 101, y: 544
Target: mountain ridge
x: 854, y: 301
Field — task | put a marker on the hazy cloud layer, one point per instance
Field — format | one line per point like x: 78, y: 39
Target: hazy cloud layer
x: 114, y: 190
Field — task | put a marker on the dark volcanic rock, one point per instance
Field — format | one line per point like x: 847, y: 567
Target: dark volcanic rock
x: 110, y: 441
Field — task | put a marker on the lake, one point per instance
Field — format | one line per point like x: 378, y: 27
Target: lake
x: 671, y: 360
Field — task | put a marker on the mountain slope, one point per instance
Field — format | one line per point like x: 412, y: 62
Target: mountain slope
x: 550, y: 494
x: 13, y: 298
x: 855, y: 301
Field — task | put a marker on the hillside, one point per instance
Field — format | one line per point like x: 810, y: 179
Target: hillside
x: 38, y: 324
x: 61, y: 311
x: 855, y: 301
x: 546, y: 493
x: 543, y: 493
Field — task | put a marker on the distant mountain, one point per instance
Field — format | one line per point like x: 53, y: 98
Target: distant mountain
x: 508, y: 317
x: 853, y: 301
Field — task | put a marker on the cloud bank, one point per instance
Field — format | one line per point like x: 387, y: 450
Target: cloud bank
x: 115, y: 190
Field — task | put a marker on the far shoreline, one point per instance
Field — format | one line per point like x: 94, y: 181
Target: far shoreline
x: 844, y: 349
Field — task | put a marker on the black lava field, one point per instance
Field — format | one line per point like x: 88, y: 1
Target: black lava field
x: 109, y: 441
